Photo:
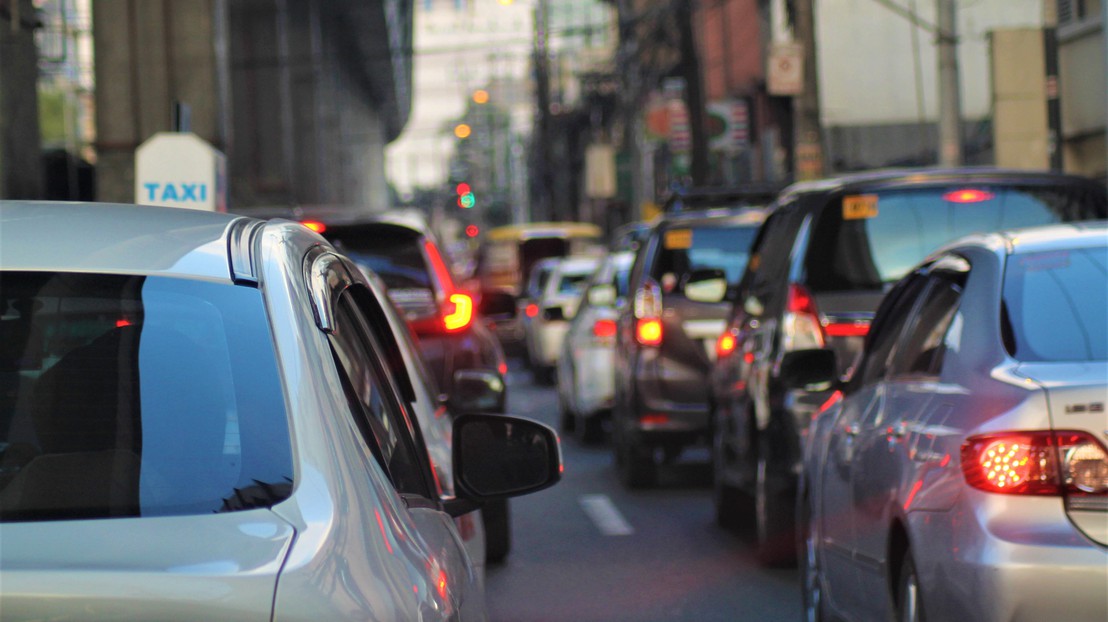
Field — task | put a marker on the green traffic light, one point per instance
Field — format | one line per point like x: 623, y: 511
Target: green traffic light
x: 468, y: 200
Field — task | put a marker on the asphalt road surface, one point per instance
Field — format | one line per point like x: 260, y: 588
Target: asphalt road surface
x: 589, y: 549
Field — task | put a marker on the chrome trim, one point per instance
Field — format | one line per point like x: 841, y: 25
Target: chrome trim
x: 241, y: 236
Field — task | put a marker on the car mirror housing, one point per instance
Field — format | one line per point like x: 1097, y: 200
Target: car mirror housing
x: 603, y: 295
x: 809, y: 369
x: 498, y: 456
x: 477, y: 390
x: 707, y: 285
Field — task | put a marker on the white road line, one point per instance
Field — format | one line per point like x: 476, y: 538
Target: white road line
x: 605, y: 515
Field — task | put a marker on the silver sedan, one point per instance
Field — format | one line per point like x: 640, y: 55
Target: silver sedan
x: 205, y: 416
x: 960, y: 472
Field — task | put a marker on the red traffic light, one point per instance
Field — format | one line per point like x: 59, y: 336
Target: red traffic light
x: 472, y: 231
x: 463, y: 188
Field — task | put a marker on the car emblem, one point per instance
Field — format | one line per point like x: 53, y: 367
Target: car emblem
x: 1095, y: 407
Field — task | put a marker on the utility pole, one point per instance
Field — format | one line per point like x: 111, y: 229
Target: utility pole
x: 694, y: 94
x: 807, y: 130
x: 541, y: 203
x: 950, y: 107
x: 1053, y: 104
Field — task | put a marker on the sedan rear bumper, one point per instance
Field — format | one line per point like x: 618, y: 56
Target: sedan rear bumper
x: 1002, y: 557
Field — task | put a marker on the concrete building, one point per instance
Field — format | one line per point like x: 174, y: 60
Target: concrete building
x: 1083, y: 85
x: 301, y: 96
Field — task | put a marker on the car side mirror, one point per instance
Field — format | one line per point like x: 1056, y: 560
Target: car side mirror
x: 707, y: 285
x: 603, y: 295
x: 808, y: 369
x: 477, y: 390
x: 498, y: 456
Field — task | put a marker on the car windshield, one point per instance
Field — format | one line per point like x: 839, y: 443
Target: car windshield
x: 686, y: 249
x: 866, y: 241
x: 398, y: 260
x: 137, y: 396
x: 1056, y: 305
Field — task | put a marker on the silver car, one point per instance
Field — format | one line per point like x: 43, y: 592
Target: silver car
x: 586, y: 367
x: 205, y: 416
x: 960, y: 472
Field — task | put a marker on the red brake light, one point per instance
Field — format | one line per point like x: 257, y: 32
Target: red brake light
x: 968, y: 195
x: 531, y: 310
x: 802, y: 327
x: 800, y: 301
x: 604, y: 329
x: 120, y: 323
x: 846, y: 329
x: 442, y: 273
x: 314, y: 225
x: 648, y: 332
x: 458, y: 317
x: 1054, y: 463
x: 725, y: 345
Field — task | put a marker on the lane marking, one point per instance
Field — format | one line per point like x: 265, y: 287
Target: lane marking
x: 605, y: 515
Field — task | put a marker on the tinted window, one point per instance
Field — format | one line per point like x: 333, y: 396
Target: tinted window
x: 137, y: 396
x: 572, y: 283
x: 375, y: 408
x: 394, y: 253
x: 865, y: 241
x: 685, y: 249
x: 1057, y: 304
x: 921, y: 351
x: 887, y: 325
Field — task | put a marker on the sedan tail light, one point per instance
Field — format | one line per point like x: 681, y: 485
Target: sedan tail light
x: 604, y: 329
x: 1055, y: 463
x: 458, y: 312
x: 725, y: 345
x: 802, y: 328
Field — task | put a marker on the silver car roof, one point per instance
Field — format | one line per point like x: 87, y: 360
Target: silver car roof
x: 110, y: 238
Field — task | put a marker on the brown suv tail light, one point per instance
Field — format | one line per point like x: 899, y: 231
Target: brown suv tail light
x: 648, y: 314
x: 1052, y: 463
x: 648, y: 332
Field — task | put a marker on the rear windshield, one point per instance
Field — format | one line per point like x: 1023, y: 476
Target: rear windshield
x: 393, y: 253
x: 136, y: 396
x: 867, y: 241
x: 1056, y: 305
x: 685, y: 249
x: 573, y: 283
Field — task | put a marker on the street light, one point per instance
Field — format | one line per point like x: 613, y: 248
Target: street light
x: 480, y: 96
x: 462, y: 130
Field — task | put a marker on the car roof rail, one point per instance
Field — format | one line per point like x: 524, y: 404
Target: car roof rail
x: 706, y: 197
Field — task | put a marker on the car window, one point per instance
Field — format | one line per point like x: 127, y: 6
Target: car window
x: 373, y: 400
x: 887, y: 325
x: 393, y: 253
x: 686, y: 249
x: 770, y: 253
x: 868, y: 240
x: 921, y: 351
x: 572, y: 283
x: 1057, y: 304
x: 137, y: 396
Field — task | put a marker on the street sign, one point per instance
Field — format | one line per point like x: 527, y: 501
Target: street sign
x: 785, y: 69
x: 180, y: 169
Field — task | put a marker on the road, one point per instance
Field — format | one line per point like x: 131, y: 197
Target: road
x: 589, y: 549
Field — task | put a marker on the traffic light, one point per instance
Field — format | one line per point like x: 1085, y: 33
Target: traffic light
x: 472, y: 231
x: 462, y: 130
x: 466, y: 199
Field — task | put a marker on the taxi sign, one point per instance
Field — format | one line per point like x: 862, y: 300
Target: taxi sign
x: 677, y: 239
x: 860, y: 207
x: 180, y: 169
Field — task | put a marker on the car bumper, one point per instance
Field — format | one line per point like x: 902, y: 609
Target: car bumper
x: 1000, y: 557
x: 548, y: 342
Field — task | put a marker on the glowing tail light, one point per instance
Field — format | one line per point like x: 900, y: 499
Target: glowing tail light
x: 648, y: 332
x: 802, y: 328
x: 725, y: 345
x: 604, y: 329
x: 459, y: 312
x: 846, y: 329
x: 968, y: 195
x: 1070, y: 463
x: 314, y: 225
x: 531, y: 310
